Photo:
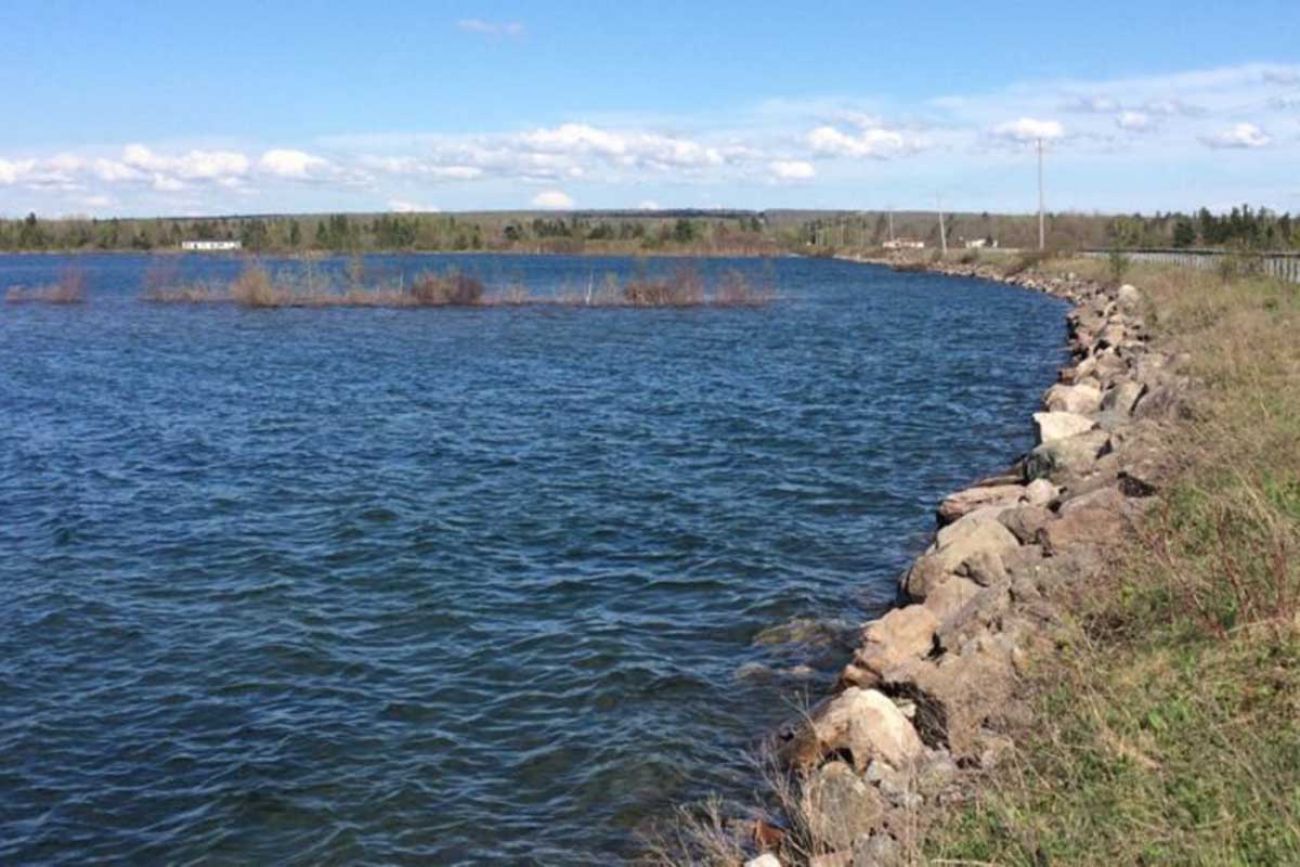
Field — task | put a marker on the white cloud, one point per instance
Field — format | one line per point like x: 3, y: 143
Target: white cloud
x: 1172, y: 108
x: 649, y: 205
x: 1028, y: 129
x: 402, y: 206
x: 113, y: 171
x: 286, y: 163
x: 196, y: 165
x: 1240, y: 135
x: 167, y: 184
x: 553, y: 200
x: 627, y: 148
x: 875, y: 142
x: 14, y: 171
x: 792, y: 170
x: 1092, y: 105
x: 1134, y: 121
x: 491, y: 28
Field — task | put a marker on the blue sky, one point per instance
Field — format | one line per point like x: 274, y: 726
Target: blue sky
x: 238, y: 107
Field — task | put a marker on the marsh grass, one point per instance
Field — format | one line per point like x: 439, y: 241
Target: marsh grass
x: 1167, y: 732
x: 69, y: 288
x: 303, y: 286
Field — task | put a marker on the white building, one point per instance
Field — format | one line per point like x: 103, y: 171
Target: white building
x: 210, y: 246
x: 903, y: 244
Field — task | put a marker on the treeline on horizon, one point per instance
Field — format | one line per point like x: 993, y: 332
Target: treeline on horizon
x: 677, y: 232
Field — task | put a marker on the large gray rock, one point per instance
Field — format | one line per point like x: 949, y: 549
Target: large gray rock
x: 870, y: 726
x: 1053, y: 426
x: 1072, y: 456
x: 978, y: 531
x: 1079, y: 399
x: 1123, y: 397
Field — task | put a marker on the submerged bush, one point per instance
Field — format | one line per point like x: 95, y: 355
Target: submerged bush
x: 451, y: 289
x: 682, y: 288
x: 253, y: 288
x: 70, y: 288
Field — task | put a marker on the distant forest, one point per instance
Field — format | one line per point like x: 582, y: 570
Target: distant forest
x: 685, y: 232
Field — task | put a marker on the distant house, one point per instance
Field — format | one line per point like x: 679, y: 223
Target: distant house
x: 904, y: 244
x: 980, y: 243
x: 210, y: 246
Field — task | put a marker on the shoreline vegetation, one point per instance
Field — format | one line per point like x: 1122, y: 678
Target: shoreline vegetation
x: 69, y: 288
x: 682, y: 232
x: 259, y: 287
x: 1097, y: 658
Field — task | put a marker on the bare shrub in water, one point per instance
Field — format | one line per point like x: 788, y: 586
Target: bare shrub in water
x: 451, y: 289
x: 253, y: 288
x: 683, y: 288
x: 70, y: 288
x: 737, y: 290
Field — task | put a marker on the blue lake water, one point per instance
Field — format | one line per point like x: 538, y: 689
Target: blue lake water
x: 308, y: 586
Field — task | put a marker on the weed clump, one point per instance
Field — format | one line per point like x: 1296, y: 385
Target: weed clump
x: 452, y: 289
x: 69, y: 288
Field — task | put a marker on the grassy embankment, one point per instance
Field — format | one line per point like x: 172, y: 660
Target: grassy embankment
x: 258, y: 287
x: 1168, y: 728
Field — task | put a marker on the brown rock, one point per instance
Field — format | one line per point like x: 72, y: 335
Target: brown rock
x: 902, y: 634
x: 1094, y: 519
x: 1026, y: 522
x: 950, y: 596
x: 958, y: 505
x: 984, y: 568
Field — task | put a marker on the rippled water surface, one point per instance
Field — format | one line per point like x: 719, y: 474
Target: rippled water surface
x: 455, y: 586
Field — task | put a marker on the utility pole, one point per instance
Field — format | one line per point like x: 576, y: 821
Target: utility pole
x: 1042, y: 219
x: 943, y: 233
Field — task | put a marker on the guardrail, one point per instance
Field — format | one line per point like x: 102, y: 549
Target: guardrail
x: 1283, y: 266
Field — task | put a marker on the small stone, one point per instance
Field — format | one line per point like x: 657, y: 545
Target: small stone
x: 767, y: 859
x: 1128, y: 296
x: 832, y: 859
x: 878, y: 850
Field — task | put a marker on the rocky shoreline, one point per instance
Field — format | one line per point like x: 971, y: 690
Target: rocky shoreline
x: 934, y: 693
